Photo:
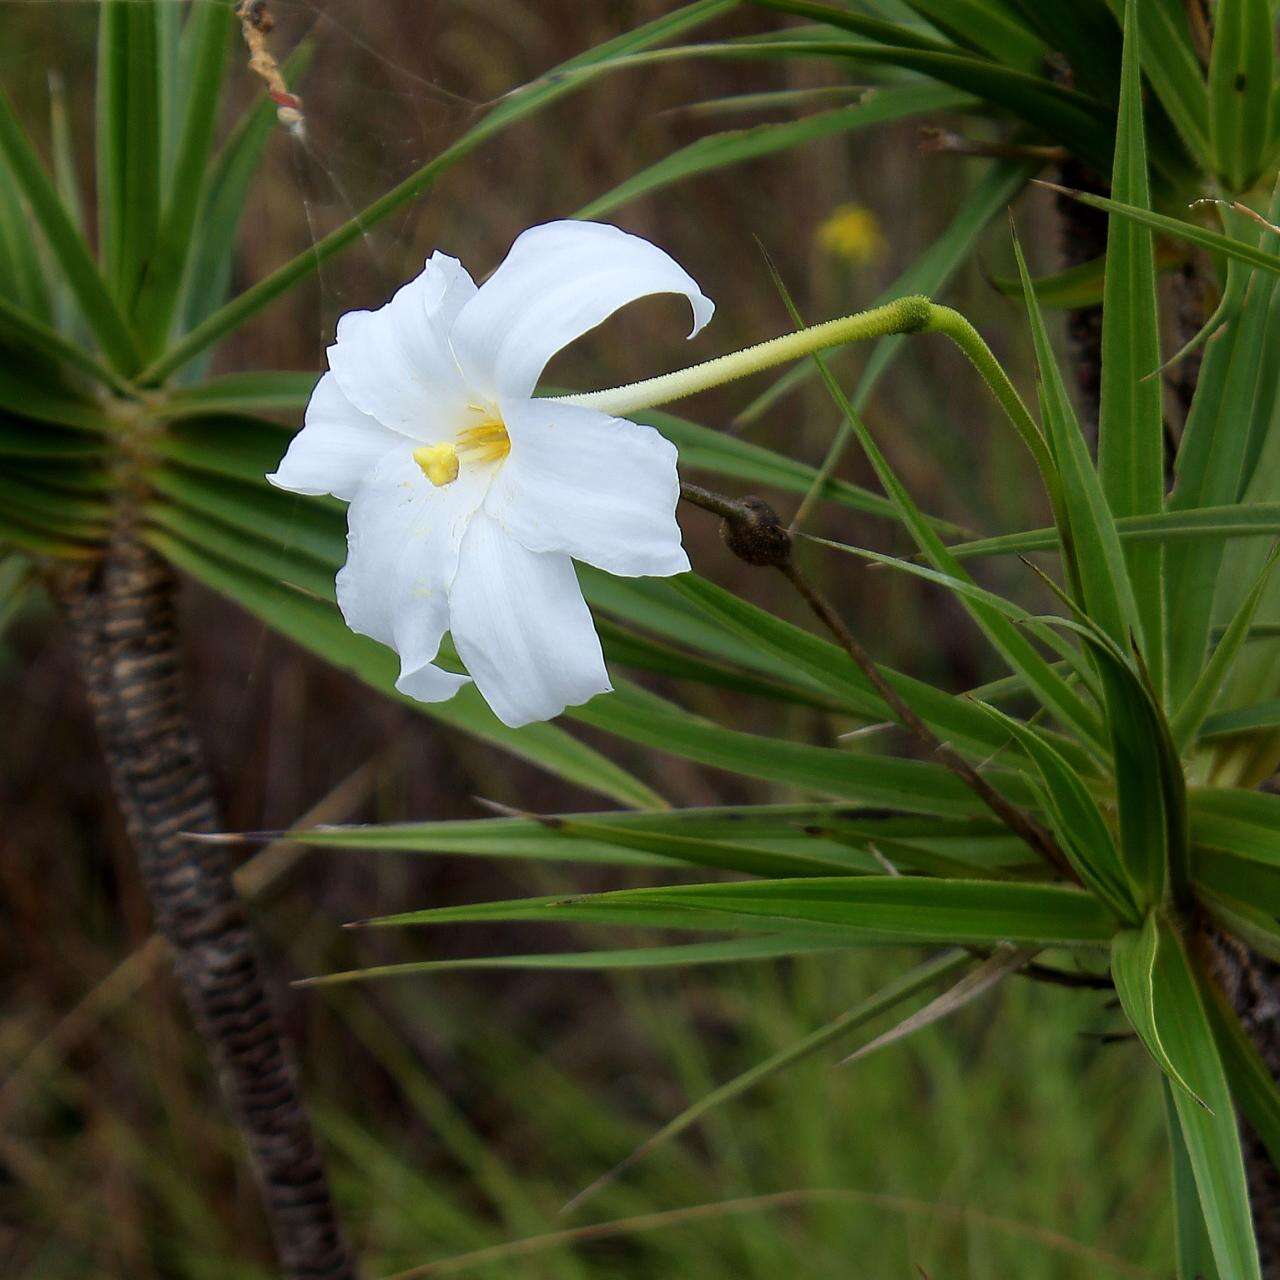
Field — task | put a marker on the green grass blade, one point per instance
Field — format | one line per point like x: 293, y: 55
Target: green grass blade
x: 317, y: 626
x: 1240, y: 86
x: 1210, y: 471
x: 1086, y: 35
x: 1095, y: 559
x: 1204, y: 693
x: 1245, y: 823
x: 906, y: 785
x: 1234, y: 520
x: 1213, y: 241
x: 222, y: 201
x: 1131, y: 419
x: 1135, y: 954
x: 22, y: 283
x: 66, y: 180
x: 1044, y: 629
x: 989, y: 27
x: 23, y: 330
x: 1170, y: 63
x: 1193, y: 1250
x: 1078, y: 822
x: 209, y: 30
x: 31, y: 394
x: 954, y: 719
x: 1014, y: 647
x: 66, y: 242
x: 1073, y: 119
x: 1210, y: 1132
x: 512, y: 108
x: 1226, y: 724
x: 128, y: 154
x: 1082, y: 285
x: 878, y: 909
x: 721, y: 150
x: 680, y: 956
x: 1252, y: 1084
x: 825, y: 829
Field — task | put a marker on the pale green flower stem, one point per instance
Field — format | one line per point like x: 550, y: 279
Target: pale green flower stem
x: 905, y: 315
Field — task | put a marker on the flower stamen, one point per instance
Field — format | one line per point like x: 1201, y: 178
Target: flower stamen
x: 489, y: 442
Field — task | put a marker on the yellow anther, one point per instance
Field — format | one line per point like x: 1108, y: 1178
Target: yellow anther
x: 489, y: 442
x: 439, y: 463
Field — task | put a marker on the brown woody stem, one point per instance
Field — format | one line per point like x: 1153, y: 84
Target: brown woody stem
x: 123, y: 618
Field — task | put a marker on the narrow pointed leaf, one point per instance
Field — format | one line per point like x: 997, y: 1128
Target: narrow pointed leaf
x: 1096, y: 558
x: 1078, y: 822
x: 209, y: 31
x: 1210, y: 471
x: 128, y: 154
x: 1240, y: 85
x: 1194, y: 1252
x: 862, y: 909
x: 1135, y: 955
x: 680, y: 956
x: 66, y: 242
x: 721, y: 150
x: 1242, y: 520
x: 1204, y: 693
x: 318, y: 627
x: 1210, y: 1132
x: 1131, y: 419
x: 972, y: 986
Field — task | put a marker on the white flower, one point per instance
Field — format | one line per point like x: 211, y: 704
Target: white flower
x: 469, y: 498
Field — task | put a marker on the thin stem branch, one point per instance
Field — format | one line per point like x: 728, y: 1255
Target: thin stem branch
x: 1021, y: 824
x: 754, y: 533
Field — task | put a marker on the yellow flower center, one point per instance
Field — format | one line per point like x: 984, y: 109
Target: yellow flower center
x: 440, y: 463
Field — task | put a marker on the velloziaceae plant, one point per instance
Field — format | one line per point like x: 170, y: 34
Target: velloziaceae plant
x: 1104, y: 803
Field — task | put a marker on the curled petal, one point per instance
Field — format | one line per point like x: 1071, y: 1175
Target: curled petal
x: 402, y: 554
x: 558, y: 282
x: 336, y: 448
x: 599, y: 489
x: 522, y: 627
x: 395, y: 363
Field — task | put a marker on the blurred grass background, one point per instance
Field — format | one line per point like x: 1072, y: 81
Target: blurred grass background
x: 463, y: 1111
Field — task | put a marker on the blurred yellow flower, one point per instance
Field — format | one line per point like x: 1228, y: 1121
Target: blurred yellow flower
x: 852, y: 232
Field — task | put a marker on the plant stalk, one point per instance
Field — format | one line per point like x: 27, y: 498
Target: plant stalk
x: 122, y: 615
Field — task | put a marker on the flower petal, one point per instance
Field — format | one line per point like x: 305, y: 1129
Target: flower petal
x: 522, y: 627
x: 402, y: 554
x: 395, y: 363
x: 600, y: 489
x: 336, y: 448
x: 559, y: 281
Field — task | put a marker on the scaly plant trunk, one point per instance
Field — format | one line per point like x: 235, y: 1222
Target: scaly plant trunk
x: 122, y: 613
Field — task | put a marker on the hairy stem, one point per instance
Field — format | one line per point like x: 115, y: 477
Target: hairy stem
x: 122, y: 616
